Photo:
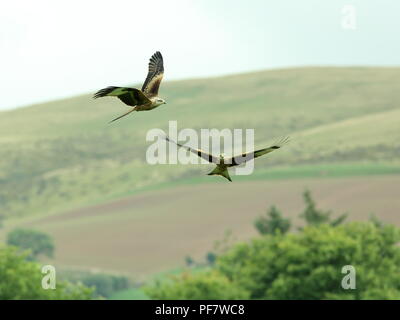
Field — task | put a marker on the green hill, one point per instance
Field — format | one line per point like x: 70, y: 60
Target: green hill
x: 63, y: 154
x: 65, y: 171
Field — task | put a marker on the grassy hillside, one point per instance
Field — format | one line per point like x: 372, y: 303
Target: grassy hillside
x: 143, y: 234
x: 63, y: 155
x: 65, y: 171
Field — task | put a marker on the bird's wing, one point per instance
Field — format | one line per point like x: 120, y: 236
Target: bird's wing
x: 206, y: 156
x: 130, y: 96
x: 244, y: 157
x: 154, y: 76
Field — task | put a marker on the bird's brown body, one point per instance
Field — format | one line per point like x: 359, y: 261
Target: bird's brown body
x: 140, y: 100
x: 223, y: 164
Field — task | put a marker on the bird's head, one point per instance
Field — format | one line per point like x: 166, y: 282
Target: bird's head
x: 221, y: 157
x: 160, y: 101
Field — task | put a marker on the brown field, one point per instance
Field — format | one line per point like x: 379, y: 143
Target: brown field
x: 154, y: 231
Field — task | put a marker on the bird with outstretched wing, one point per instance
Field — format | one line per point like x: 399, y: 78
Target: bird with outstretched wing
x: 144, y: 99
x: 224, y: 163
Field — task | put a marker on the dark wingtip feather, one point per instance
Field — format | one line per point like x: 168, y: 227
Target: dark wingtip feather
x: 280, y: 143
x: 103, y: 92
x: 157, y: 55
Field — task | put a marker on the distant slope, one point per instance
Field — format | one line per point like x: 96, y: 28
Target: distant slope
x: 63, y: 154
x: 154, y: 231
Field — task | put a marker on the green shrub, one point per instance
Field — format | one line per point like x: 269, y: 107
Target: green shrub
x: 306, y: 265
x: 189, y: 261
x: 104, y: 284
x: 22, y: 279
x: 206, y: 285
x: 314, y: 216
x: 211, y: 257
x: 272, y: 223
x: 36, y: 241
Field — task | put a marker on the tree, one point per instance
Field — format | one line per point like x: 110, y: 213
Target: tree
x: 223, y: 245
x: 314, y: 216
x: 272, y: 223
x: 103, y: 285
x: 376, y: 221
x: 305, y: 265
x: 211, y: 257
x: 22, y: 279
x: 37, y: 242
x: 189, y: 261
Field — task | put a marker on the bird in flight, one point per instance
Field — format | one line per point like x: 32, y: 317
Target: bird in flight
x: 144, y: 99
x: 224, y: 163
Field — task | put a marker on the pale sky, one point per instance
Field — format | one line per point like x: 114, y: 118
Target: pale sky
x: 54, y: 49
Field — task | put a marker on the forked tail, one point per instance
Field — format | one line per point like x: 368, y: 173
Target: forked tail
x: 224, y: 173
x: 123, y: 115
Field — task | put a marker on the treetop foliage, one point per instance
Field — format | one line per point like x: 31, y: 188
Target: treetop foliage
x: 305, y: 265
x: 36, y: 241
x: 22, y: 280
